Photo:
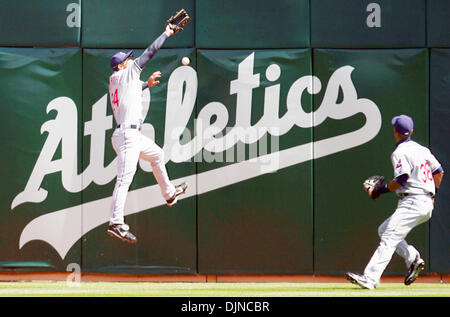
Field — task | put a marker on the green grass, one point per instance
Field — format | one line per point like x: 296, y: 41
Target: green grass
x: 121, y: 289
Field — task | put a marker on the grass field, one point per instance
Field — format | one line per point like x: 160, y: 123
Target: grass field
x: 143, y: 289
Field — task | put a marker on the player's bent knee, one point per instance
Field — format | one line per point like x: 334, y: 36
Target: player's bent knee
x: 383, y: 227
x: 392, y: 237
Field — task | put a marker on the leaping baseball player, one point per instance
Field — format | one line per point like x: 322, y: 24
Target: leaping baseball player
x: 125, y: 90
x: 417, y: 176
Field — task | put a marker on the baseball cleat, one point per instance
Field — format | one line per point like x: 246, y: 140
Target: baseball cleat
x: 360, y: 280
x: 179, y: 190
x: 414, y: 270
x: 121, y: 232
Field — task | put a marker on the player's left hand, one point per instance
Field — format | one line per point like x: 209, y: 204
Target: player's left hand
x: 372, y: 186
x: 177, y: 22
x: 153, y: 79
x: 169, y: 31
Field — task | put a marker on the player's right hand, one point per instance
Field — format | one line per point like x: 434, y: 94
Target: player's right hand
x: 153, y: 79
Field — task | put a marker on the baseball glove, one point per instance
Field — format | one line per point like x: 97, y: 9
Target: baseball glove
x: 178, y: 21
x: 371, y: 183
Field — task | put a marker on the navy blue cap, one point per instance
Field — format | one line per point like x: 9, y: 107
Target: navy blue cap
x: 403, y: 124
x: 119, y: 58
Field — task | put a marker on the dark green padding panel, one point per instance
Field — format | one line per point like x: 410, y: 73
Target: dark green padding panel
x: 166, y: 235
x: 251, y: 220
x: 252, y: 24
x: 40, y: 23
x: 40, y: 115
x: 439, y: 129
x: 366, y: 23
x: 134, y: 23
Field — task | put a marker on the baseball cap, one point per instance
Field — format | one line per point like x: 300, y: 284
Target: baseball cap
x: 403, y: 124
x: 119, y: 58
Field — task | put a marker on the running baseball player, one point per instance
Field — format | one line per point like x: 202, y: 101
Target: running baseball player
x: 125, y: 90
x: 417, y: 176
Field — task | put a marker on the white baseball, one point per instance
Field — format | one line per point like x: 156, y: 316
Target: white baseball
x: 185, y: 61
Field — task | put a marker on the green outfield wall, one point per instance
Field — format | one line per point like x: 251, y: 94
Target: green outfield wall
x: 282, y: 113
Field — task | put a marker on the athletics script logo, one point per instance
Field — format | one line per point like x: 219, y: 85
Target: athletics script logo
x: 63, y: 228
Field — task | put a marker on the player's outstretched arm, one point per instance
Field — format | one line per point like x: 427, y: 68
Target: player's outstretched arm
x: 153, y: 48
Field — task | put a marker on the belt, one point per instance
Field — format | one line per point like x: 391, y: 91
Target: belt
x: 408, y: 194
x: 129, y: 126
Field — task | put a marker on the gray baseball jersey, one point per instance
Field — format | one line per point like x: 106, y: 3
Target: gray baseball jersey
x: 125, y: 91
x: 418, y: 163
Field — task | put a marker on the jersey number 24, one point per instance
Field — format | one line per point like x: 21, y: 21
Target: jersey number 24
x: 115, y: 100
